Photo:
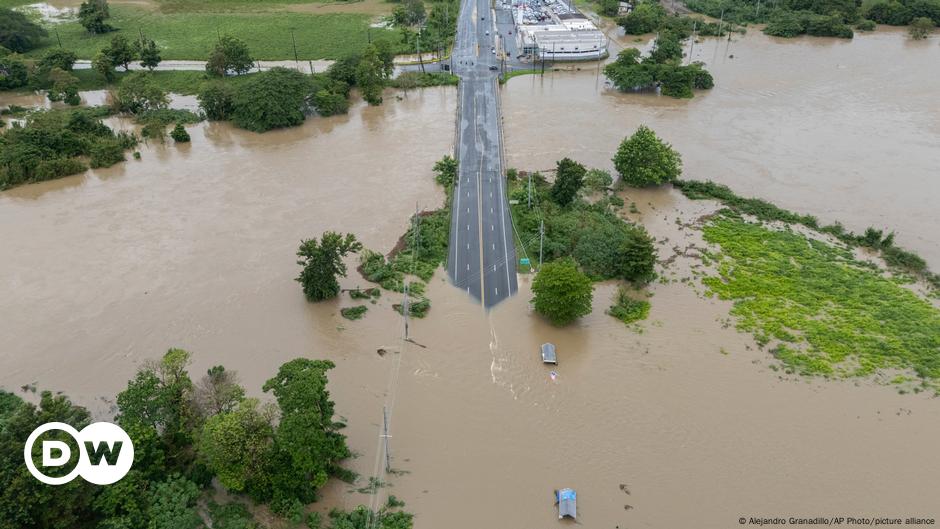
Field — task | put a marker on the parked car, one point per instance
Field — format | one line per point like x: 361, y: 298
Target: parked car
x: 493, y: 68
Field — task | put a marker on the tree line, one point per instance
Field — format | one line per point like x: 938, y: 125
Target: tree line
x: 187, y: 433
x: 663, y: 68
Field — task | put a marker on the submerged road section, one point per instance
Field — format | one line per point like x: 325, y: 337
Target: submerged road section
x: 482, y: 259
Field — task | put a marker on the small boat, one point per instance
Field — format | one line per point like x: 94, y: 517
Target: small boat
x: 548, y: 354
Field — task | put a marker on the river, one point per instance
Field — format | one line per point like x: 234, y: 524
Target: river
x: 681, y: 425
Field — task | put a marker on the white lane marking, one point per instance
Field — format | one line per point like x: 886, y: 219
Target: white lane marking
x: 494, y: 246
x: 468, y: 245
x: 491, y: 227
x: 468, y: 227
x: 494, y: 268
x: 497, y: 290
x: 468, y: 266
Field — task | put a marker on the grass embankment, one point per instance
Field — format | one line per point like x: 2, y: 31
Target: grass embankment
x: 192, y: 33
x: 516, y: 73
x: 824, y: 312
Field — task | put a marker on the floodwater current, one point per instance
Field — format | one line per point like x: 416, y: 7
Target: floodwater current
x: 681, y: 425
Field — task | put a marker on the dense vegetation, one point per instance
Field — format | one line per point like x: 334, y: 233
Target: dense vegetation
x: 18, y: 33
x: 588, y: 235
x: 825, y: 312
x: 663, y: 68
x: 627, y: 309
x: 824, y: 18
x: 58, y: 143
x: 186, y: 433
x: 649, y: 16
x: 593, y: 234
x: 900, y: 260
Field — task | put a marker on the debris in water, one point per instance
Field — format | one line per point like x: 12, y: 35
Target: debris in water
x: 553, y: 374
x: 381, y: 351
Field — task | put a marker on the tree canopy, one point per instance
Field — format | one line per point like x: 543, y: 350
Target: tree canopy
x: 93, y: 15
x: 562, y: 293
x: 645, y: 160
x: 229, y: 55
x: 568, y: 181
x: 273, y: 99
x: 322, y: 262
x: 18, y: 33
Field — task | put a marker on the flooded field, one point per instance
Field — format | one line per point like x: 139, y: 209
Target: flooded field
x: 844, y: 130
x: 682, y: 425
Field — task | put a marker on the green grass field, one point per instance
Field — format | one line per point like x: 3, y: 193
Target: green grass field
x: 191, y: 35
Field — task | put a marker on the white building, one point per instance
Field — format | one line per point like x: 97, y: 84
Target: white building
x: 562, y: 37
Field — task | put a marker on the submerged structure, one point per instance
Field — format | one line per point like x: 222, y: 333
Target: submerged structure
x: 567, y: 503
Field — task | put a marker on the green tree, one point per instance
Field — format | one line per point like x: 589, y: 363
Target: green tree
x: 370, y: 75
x: 330, y: 103
x: 646, y: 17
x: 645, y: 160
x: 13, y: 73
x: 174, y: 505
x: 920, y: 28
x: 149, y: 53
x: 229, y: 55
x: 562, y: 293
x: 307, y: 445
x: 568, y: 181
x: 160, y: 397
x: 610, y: 8
x: 597, y: 180
x: 216, y: 99
x: 64, y: 86
x: 92, y: 15
x: 236, y: 444
x: 57, y: 58
x: 121, y: 52
x: 445, y: 171
x: 323, y: 262
x: 18, y: 33
x: 102, y: 64
x: 218, y: 391
x: 273, y: 99
x: 409, y: 13
x: 636, y: 256
x: 25, y: 502
x: 139, y: 93
x: 667, y: 49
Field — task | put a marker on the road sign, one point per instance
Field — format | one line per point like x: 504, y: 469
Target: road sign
x: 524, y: 261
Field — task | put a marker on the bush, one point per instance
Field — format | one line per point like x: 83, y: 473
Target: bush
x: 92, y: 15
x: 179, y: 134
x: 627, y: 309
x: 138, y: 93
x: 216, y: 100
x: 644, y: 160
x: 354, y: 313
x: 920, y: 28
x: 57, y: 58
x: 272, y: 99
x: 106, y: 154
x: 866, y: 25
x: 13, y: 73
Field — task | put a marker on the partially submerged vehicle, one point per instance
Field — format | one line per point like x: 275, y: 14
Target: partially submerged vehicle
x: 567, y: 500
x: 548, y: 354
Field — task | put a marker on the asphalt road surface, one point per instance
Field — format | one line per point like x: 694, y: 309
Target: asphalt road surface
x: 482, y: 258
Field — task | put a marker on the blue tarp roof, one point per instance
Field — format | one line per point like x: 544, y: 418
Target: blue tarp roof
x: 567, y: 503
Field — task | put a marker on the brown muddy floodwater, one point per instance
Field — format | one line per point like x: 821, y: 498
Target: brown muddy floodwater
x: 846, y: 130
x: 194, y: 247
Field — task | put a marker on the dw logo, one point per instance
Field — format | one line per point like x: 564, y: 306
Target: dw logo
x: 105, y: 453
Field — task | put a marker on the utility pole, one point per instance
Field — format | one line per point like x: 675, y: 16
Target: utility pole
x: 692, y: 45
x: 418, y: 47
x: 758, y: 9
x: 530, y: 190
x: 294, y: 42
x: 720, y: 20
x: 385, y: 436
x: 541, y: 241
x: 57, y: 37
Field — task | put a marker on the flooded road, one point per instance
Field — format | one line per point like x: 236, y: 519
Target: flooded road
x: 844, y: 130
x: 681, y: 425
